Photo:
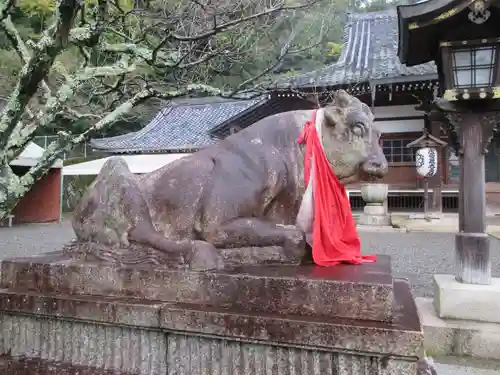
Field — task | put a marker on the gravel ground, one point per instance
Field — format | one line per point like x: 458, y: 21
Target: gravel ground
x: 415, y: 256
x: 32, y: 239
x: 418, y: 255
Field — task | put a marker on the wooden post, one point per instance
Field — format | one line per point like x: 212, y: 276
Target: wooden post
x: 426, y: 198
x: 432, y: 141
x: 473, y: 260
x: 436, y: 182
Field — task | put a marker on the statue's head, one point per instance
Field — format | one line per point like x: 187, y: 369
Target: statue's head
x: 350, y: 140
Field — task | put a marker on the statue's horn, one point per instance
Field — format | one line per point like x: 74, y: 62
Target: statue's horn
x: 342, y: 99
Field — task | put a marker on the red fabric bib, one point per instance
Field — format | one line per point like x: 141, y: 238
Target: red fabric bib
x: 335, y: 238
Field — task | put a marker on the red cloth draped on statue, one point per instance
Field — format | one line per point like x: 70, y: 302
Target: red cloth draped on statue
x: 335, y: 238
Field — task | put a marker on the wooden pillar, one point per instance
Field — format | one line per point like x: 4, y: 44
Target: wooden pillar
x: 473, y: 260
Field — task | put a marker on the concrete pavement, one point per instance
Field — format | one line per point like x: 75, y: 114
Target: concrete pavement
x: 466, y: 366
x: 448, y: 223
x: 444, y: 369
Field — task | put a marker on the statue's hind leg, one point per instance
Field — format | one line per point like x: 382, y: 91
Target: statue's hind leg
x: 114, y: 214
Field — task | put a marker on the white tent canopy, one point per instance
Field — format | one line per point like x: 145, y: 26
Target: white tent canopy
x: 30, y: 156
x: 136, y: 164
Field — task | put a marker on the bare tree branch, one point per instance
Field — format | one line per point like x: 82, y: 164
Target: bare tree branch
x: 19, y: 45
x: 218, y: 28
x: 38, y: 66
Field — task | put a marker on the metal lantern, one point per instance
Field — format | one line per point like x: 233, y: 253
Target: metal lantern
x: 426, y: 160
x: 470, y: 69
x: 462, y: 38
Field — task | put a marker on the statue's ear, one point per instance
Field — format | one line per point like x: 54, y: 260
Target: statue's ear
x: 367, y: 111
x: 332, y: 115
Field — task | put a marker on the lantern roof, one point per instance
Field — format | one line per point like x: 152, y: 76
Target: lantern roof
x: 424, y: 25
x: 427, y: 140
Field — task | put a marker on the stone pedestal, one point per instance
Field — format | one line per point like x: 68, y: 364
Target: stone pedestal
x: 308, y: 320
x: 456, y: 300
x: 375, y: 211
x: 463, y: 319
x: 374, y: 214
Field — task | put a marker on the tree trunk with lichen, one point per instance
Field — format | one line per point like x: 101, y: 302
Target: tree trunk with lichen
x: 36, y: 68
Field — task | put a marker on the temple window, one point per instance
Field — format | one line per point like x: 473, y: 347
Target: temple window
x: 395, y: 151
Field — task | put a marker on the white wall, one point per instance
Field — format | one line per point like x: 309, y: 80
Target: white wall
x: 382, y: 114
x: 402, y: 126
x: 396, y: 111
x: 142, y: 163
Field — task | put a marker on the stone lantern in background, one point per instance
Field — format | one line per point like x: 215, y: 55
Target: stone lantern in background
x: 375, y: 211
x: 462, y: 37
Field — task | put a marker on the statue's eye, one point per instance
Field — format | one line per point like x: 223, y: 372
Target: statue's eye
x: 358, y: 129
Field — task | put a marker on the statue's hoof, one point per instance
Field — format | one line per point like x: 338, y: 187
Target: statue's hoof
x: 296, y: 237
x: 295, y: 244
x: 204, y: 256
x: 426, y: 367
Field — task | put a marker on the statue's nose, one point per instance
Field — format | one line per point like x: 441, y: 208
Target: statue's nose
x: 377, y: 167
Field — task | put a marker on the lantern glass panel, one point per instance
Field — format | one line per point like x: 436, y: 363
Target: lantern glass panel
x: 473, y: 67
x: 462, y: 59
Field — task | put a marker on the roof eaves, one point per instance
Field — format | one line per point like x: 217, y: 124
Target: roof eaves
x: 173, y: 150
x: 222, y: 125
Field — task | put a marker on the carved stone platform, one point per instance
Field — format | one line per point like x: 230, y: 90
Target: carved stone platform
x: 343, y: 320
x: 346, y: 291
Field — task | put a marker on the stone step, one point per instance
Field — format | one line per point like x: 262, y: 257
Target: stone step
x: 346, y: 291
x: 445, y: 337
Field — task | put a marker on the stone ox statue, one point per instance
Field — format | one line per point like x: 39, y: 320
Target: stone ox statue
x: 234, y: 202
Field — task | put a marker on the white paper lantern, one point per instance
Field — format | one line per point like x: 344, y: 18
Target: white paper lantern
x: 426, y: 160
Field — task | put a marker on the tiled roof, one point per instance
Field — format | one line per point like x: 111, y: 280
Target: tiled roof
x: 177, y: 127
x: 370, y: 52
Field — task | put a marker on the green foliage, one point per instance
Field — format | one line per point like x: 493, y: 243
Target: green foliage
x: 10, y: 65
x: 335, y: 49
x: 37, y: 8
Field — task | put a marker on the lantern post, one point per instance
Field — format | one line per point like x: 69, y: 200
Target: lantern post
x: 427, y: 162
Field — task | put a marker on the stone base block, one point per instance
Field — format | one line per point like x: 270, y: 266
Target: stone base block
x: 374, y: 220
x: 429, y: 216
x: 455, y: 300
x: 375, y: 209
x: 473, y: 261
x: 145, y: 337
x: 346, y: 291
x: 446, y: 337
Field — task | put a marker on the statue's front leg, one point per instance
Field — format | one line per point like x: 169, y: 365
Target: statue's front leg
x: 260, y: 236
